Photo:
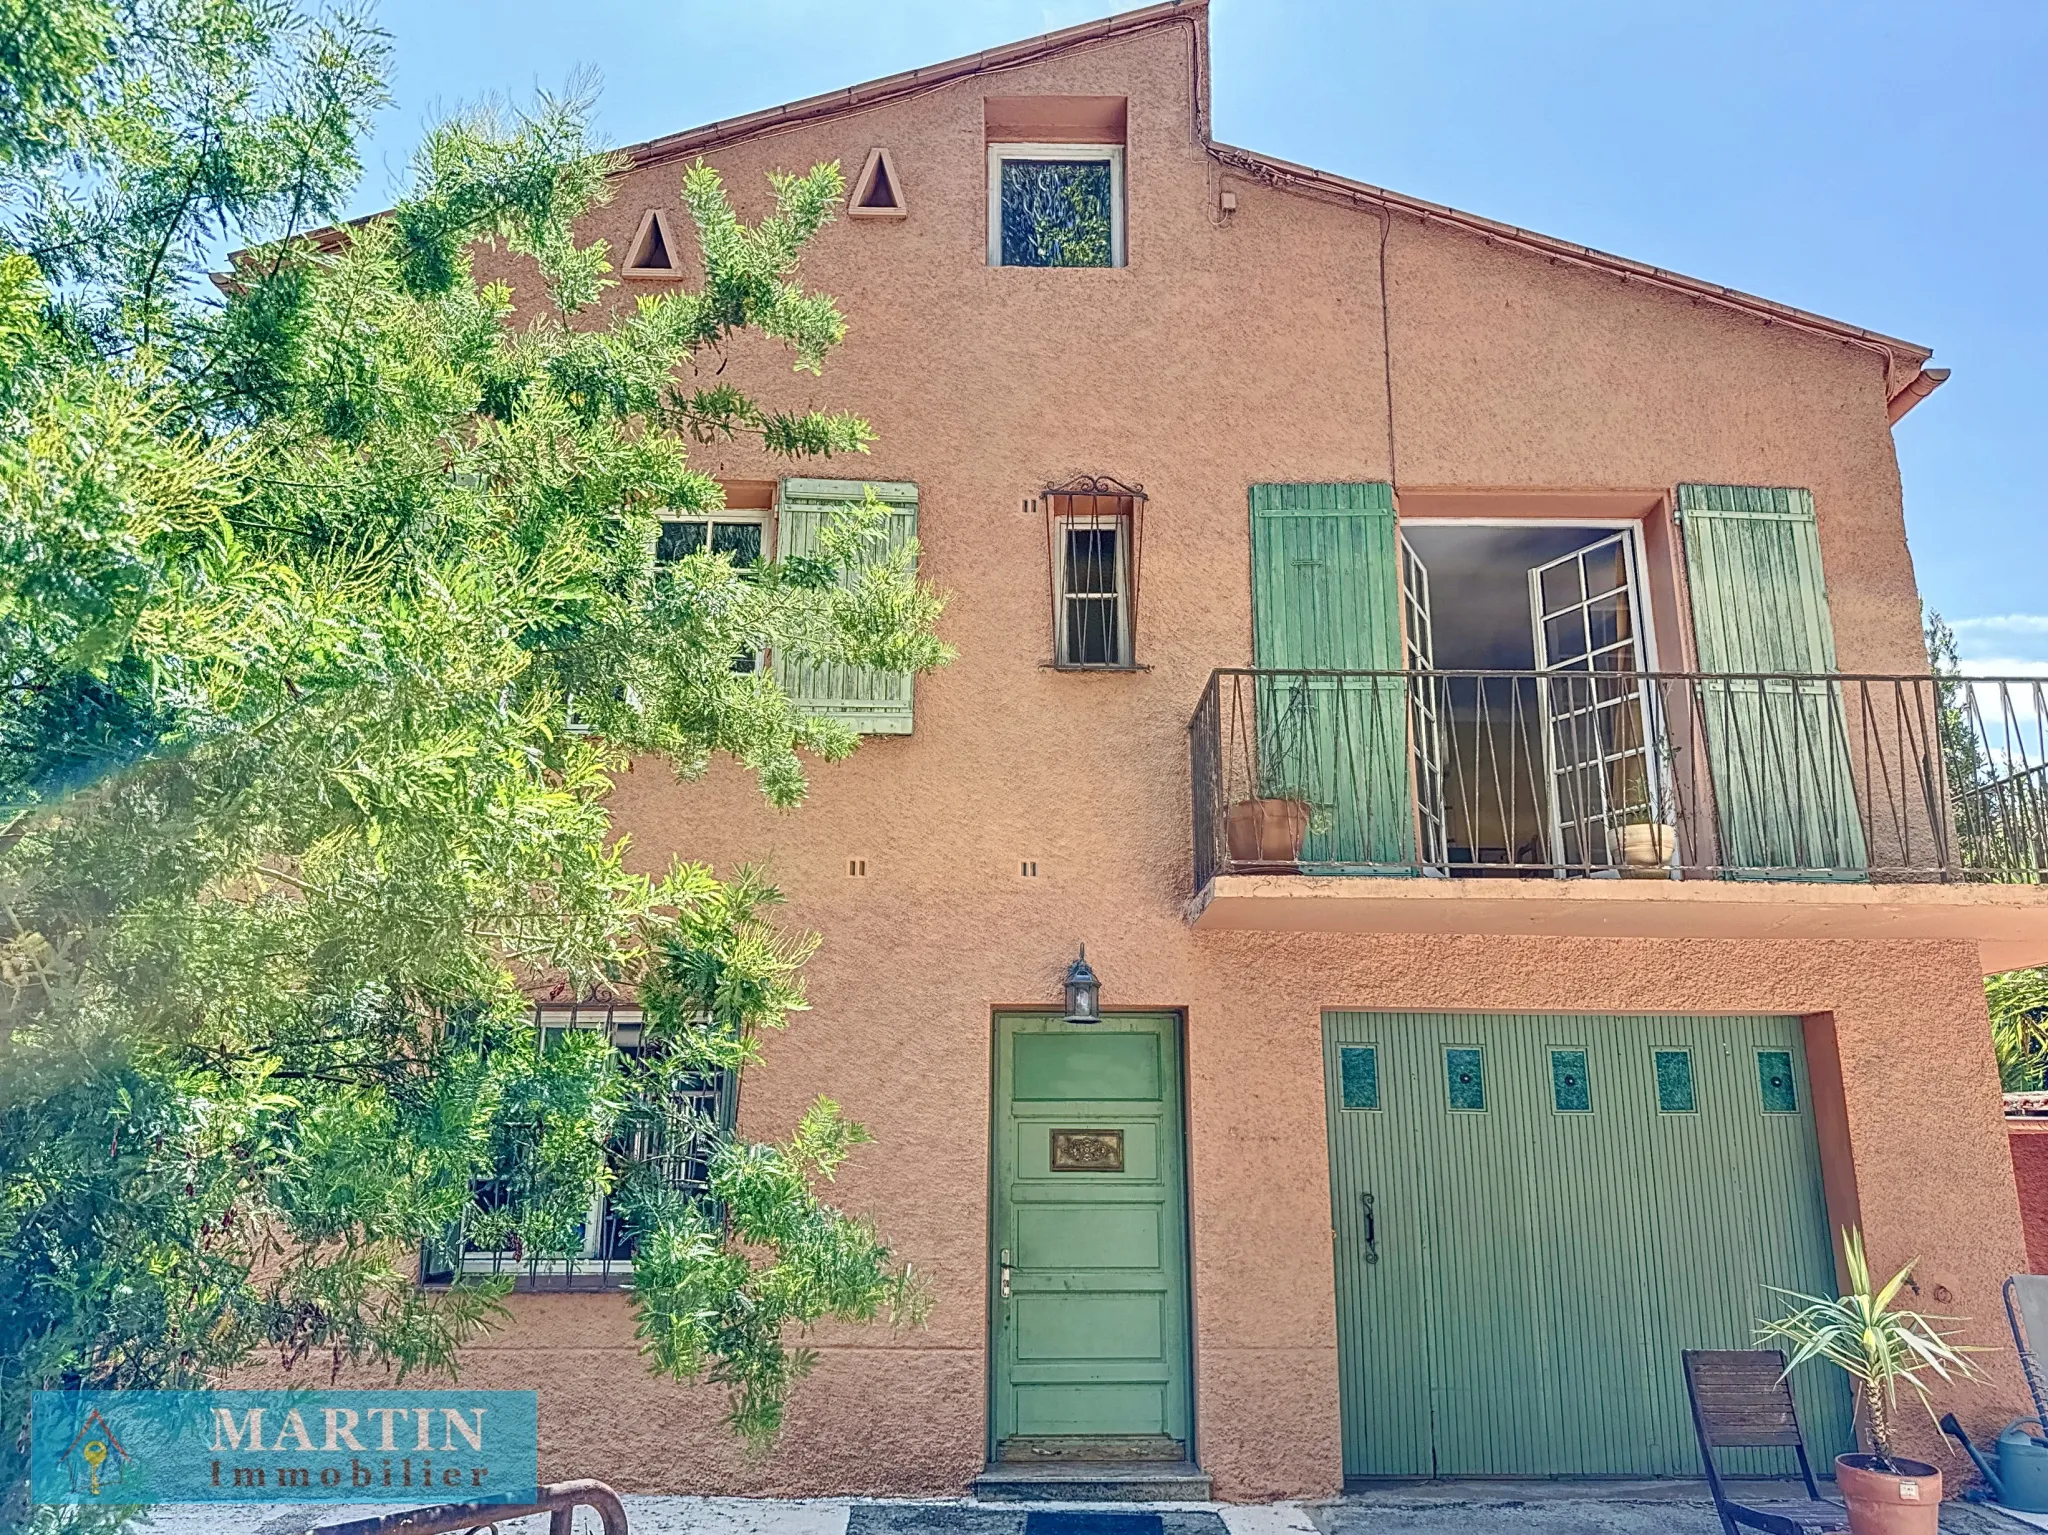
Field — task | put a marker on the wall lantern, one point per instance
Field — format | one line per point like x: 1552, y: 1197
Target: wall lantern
x: 1084, y: 992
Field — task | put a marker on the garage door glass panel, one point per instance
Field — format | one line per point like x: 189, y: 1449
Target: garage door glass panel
x: 1674, y: 1081
x: 1360, y: 1069
x: 1465, y: 1078
x: 1570, y: 1090
x: 1774, y: 1082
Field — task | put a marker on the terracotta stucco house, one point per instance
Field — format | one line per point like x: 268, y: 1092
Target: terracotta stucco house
x: 1407, y: 652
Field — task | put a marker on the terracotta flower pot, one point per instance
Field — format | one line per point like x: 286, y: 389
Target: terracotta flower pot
x: 1904, y: 1502
x: 1266, y: 830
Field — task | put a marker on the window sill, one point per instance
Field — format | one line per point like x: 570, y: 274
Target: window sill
x: 588, y: 1276
x: 1069, y: 666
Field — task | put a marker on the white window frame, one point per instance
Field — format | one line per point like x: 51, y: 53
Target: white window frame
x: 758, y: 516
x: 1112, y: 153
x: 1120, y: 524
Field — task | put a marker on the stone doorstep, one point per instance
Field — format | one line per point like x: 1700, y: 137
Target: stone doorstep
x: 1084, y: 1481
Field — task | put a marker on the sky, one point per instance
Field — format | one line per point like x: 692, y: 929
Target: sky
x: 1881, y: 162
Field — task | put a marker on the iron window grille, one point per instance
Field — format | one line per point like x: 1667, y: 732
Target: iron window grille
x: 667, y: 1141
x: 1094, y: 531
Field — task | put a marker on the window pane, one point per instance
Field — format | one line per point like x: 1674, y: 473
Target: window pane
x: 1093, y: 632
x: 1774, y: 1082
x: 1092, y: 614
x: 1359, y: 1072
x: 1606, y: 569
x: 1465, y: 1077
x: 1609, y: 619
x: 741, y: 540
x: 1091, y: 560
x: 1056, y: 212
x: 1564, y: 637
x: 1674, y: 1082
x: 678, y: 539
x: 1570, y: 1090
x: 1561, y: 587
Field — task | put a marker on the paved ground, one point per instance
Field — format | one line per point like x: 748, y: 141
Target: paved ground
x: 1570, y: 1508
x: 1440, y: 1508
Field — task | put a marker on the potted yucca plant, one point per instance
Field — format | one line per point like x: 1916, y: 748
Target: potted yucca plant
x: 1880, y: 1344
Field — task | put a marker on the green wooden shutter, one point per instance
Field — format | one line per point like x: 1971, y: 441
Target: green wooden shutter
x: 1326, y: 593
x: 1784, y: 795
x: 871, y: 702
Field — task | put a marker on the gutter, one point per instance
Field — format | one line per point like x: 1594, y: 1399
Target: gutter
x: 1922, y: 384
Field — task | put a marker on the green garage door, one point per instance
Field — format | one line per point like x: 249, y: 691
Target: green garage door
x: 1535, y: 1213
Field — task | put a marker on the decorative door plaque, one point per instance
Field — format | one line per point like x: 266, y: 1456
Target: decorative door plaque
x: 1087, y: 1151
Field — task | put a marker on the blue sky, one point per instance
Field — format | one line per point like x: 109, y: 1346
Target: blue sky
x: 1879, y: 161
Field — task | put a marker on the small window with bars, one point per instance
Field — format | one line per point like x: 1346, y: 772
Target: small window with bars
x: 1093, y: 528
x: 665, y: 1143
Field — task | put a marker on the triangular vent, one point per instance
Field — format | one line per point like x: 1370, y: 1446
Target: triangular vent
x: 653, y: 251
x: 878, y: 189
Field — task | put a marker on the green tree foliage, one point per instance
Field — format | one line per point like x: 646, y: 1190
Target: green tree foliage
x: 305, y: 559
x: 2018, y: 999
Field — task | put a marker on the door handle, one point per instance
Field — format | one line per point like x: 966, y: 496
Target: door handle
x: 1372, y: 1246
x: 1004, y: 1277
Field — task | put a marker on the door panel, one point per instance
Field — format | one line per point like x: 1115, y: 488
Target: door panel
x: 1546, y: 1247
x: 1596, y: 710
x: 1090, y: 1223
x: 1427, y: 712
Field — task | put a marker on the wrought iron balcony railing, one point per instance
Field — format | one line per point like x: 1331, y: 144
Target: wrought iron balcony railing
x: 1618, y: 774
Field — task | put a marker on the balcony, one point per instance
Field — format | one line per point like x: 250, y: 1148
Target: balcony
x: 1620, y: 803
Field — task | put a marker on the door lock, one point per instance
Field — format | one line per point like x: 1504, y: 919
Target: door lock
x: 1004, y: 1265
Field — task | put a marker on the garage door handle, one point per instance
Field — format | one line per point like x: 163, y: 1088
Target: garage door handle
x: 1372, y: 1246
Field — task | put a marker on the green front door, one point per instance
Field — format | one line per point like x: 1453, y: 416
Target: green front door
x: 1534, y: 1214
x: 1088, y: 1256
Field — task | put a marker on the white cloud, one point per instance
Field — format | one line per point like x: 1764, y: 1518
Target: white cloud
x: 2004, y: 623
x: 2012, y: 643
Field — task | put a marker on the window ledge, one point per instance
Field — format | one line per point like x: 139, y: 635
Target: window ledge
x: 1068, y: 666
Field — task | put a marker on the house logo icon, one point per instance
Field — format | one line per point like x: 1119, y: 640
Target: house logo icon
x: 95, y: 1459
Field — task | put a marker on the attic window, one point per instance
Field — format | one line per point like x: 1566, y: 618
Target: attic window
x: 653, y: 251
x: 877, y: 190
x: 1055, y: 205
x: 1055, y: 180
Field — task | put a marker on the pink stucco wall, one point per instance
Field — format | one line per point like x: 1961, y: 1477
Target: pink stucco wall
x: 1228, y: 351
x: 2030, y: 1171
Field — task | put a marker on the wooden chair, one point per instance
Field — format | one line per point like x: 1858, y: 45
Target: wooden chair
x: 1741, y: 1399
